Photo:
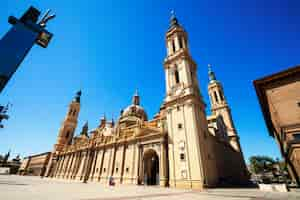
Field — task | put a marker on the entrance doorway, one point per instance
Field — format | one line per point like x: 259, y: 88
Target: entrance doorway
x: 151, y: 168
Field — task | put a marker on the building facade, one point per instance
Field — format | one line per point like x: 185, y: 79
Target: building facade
x: 279, y: 98
x: 34, y: 165
x: 180, y: 147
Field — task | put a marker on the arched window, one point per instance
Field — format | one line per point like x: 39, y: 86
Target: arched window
x: 221, y: 96
x: 216, y: 96
x: 74, y: 112
x: 67, y: 134
x: 180, y: 42
x: 176, y: 73
x: 173, y: 46
x: 192, y: 76
x: 70, y: 111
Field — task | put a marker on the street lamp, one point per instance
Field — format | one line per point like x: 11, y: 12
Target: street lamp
x: 16, y: 43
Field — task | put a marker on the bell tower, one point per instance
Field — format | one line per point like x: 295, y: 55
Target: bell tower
x: 219, y: 107
x: 186, y: 118
x: 67, y: 129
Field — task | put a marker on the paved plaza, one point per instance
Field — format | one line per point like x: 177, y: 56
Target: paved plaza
x: 33, y: 188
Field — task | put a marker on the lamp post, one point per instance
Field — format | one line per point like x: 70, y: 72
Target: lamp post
x: 16, y: 43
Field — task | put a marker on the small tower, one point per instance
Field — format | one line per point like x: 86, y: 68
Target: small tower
x: 219, y: 107
x: 85, y: 130
x: 102, y: 121
x: 69, y: 124
x: 186, y: 119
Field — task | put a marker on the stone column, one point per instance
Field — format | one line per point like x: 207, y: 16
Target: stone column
x: 184, y: 45
x: 57, y: 166
x: 176, y: 43
x: 69, y: 169
x: 94, y: 162
x: 88, y: 166
x: 163, y: 165
x: 140, y: 169
x: 73, y: 165
x: 81, y: 165
x: 169, y: 49
x: 74, y: 172
x: 78, y: 164
x: 101, y: 163
x: 61, y: 166
x: 70, y: 165
x: 66, y: 165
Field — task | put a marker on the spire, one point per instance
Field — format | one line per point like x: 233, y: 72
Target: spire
x: 6, y: 157
x: 85, y: 129
x: 136, y: 98
x: 173, y: 20
x: 211, y: 74
x: 103, y: 117
x: 102, y: 121
x: 112, y: 121
x: 77, y: 96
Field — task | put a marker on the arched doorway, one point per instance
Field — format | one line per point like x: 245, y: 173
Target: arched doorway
x: 151, y: 168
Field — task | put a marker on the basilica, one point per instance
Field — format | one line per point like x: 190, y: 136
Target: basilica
x: 179, y: 147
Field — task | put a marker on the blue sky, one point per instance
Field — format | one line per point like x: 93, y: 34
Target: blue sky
x: 108, y: 49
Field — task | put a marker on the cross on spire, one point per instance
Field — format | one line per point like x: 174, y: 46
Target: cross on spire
x: 173, y: 19
x: 211, y: 74
x: 136, y: 98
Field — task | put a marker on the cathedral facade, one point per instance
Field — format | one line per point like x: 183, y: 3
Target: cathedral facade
x: 180, y: 147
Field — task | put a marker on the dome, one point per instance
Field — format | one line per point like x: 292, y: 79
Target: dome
x: 135, y: 109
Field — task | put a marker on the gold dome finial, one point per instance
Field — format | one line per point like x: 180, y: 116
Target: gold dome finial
x: 136, y: 98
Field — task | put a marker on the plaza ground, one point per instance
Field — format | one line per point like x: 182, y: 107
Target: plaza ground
x: 35, y: 188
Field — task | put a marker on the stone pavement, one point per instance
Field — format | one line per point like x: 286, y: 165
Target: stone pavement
x: 35, y: 188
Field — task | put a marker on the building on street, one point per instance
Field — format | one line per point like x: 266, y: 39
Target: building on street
x: 279, y: 98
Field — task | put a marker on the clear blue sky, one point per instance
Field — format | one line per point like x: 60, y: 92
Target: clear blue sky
x: 110, y: 49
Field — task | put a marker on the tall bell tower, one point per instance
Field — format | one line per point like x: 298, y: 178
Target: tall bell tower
x: 67, y: 129
x: 186, y: 118
x: 219, y: 107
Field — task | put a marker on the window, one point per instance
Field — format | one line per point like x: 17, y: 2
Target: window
x: 74, y: 112
x: 192, y: 77
x: 221, y: 96
x: 178, y: 108
x: 216, y: 96
x: 179, y: 126
x: 127, y: 169
x: 173, y: 46
x: 296, y: 136
x: 67, y: 134
x: 180, y: 42
x: 104, y: 169
x: 70, y: 112
x: 117, y: 169
x: 182, y: 156
x: 176, y: 76
x: 97, y: 169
